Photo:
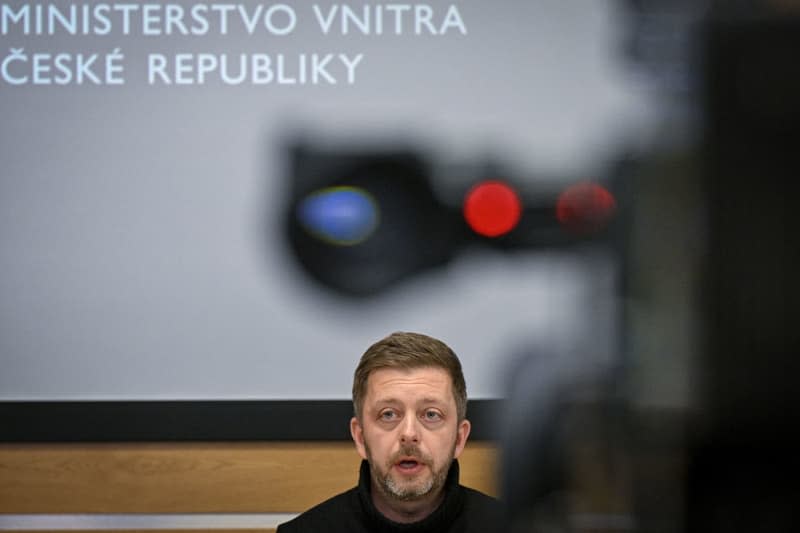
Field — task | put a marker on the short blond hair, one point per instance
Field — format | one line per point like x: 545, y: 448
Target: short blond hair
x: 406, y: 350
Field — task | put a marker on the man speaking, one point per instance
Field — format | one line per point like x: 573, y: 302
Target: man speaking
x: 410, y: 426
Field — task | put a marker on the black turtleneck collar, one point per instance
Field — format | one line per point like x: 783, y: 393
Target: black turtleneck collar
x: 438, y: 520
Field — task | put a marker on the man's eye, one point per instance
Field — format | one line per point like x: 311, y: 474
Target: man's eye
x: 432, y: 416
x: 388, y: 415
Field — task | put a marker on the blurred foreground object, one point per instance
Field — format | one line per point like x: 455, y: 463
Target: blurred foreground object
x: 696, y: 429
x: 359, y: 220
x: 743, y: 469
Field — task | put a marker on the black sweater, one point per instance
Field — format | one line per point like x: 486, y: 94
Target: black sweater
x: 463, y: 510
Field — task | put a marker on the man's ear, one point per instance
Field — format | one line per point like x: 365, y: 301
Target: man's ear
x: 462, y: 434
x: 357, y: 432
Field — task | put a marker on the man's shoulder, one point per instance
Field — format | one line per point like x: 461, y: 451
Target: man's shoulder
x: 480, y: 507
x: 477, y: 497
x: 334, y: 514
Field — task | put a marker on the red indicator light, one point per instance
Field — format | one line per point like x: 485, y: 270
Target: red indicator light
x: 585, y: 207
x: 492, y: 208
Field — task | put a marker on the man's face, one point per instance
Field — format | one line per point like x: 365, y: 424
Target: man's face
x: 409, y: 431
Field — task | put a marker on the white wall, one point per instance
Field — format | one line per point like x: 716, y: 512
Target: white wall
x: 132, y: 236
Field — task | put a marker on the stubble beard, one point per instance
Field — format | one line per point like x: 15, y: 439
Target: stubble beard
x: 402, y: 490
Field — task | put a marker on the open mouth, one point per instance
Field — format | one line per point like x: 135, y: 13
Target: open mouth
x: 408, y: 465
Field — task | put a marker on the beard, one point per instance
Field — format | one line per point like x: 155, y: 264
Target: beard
x: 402, y: 488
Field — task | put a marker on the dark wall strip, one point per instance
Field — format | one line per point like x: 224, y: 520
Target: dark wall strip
x: 142, y: 421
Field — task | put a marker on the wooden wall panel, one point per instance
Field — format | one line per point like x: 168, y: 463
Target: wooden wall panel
x: 267, y: 477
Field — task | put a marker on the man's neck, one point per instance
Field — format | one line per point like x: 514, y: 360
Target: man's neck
x: 405, y: 512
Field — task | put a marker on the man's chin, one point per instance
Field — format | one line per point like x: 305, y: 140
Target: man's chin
x: 406, y: 490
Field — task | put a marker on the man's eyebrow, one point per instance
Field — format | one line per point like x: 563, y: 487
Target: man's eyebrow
x: 391, y: 401
x: 431, y: 399
x: 424, y: 400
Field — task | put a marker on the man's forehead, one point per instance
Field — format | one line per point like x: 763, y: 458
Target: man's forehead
x: 428, y: 381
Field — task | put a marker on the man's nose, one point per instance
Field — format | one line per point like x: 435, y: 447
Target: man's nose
x: 409, y: 430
